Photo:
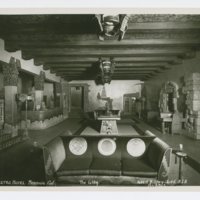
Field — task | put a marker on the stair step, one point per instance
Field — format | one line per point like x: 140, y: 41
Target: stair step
x: 10, y: 142
x: 4, y: 137
x: 76, y: 114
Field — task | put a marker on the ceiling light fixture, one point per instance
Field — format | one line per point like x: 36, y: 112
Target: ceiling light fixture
x: 112, y: 25
x: 106, y: 71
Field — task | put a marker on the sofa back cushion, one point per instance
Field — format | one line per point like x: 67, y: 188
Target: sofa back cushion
x: 130, y: 151
x: 106, y: 156
x: 57, y: 152
x: 155, y: 152
x: 77, y: 147
x: 106, y: 148
x: 101, y: 146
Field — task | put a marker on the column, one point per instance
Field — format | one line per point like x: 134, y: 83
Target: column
x: 192, y: 89
x: 39, y: 89
x: 10, y: 79
x: 86, y: 97
x: 65, y: 98
x: 58, y: 92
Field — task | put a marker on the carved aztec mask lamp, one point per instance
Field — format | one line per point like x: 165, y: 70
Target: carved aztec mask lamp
x: 106, y: 71
x: 112, y: 25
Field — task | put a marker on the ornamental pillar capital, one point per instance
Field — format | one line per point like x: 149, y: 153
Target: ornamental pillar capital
x: 10, y: 72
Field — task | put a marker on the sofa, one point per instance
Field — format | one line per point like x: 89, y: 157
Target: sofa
x: 106, y: 160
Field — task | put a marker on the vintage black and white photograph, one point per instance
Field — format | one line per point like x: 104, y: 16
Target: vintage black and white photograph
x: 100, y: 99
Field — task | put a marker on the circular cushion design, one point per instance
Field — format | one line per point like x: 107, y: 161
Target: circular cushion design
x: 136, y: 147
x: 78, y: 146
x: 106, y: 146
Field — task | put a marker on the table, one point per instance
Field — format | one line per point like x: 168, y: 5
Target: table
x: 166, y: 119
x: 108, y: 124
x: 181, y: 155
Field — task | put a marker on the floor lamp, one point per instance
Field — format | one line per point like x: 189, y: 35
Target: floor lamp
x: 25, y: 98
x: 25, y: 135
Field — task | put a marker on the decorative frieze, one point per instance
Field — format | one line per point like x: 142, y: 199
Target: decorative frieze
x: 10, y: 142
x: 39, y: 81
x: 43, y: 124
x: 10, y: 72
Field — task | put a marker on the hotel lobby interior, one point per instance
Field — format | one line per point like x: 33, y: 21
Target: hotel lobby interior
x: 100, y: 100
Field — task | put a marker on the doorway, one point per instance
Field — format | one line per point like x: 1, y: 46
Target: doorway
x: 77, y: 98
x: 129, y: 102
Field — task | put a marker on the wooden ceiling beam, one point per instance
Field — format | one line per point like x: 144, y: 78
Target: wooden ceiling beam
x: 105, y: 52
x: 114, y: 74
x: 12, y: 44
x: 71, y: 73
x: 160, y: 36
x: 143, y: 78
x: 144, y: 26
x: 53, y: 70
x: 132, y: 71
x: 164, y: 25
x: 80, y: 77
x: 72, y: 65
x: 117, y: 65
x: 116, y: 69
x: 131, y: 78
x: 39, y: 60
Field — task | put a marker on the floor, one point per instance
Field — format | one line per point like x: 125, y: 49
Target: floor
x: 190, y: 168
x: 190, y: 146
x: 68, y: 126
x: 76, y: 126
